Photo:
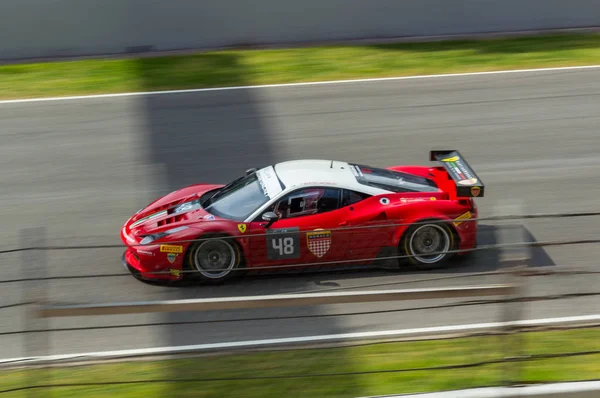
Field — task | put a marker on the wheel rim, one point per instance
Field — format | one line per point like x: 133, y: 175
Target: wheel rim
x: 429, y: 239
x: 214, y: 258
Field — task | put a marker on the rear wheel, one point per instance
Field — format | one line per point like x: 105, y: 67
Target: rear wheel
x: 215, y: 259
x: 427, y: 244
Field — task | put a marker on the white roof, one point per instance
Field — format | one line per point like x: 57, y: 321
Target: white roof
x: 310, y: 172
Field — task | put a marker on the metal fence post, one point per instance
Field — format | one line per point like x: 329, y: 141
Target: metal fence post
x: 34, y: 292
x: 512, y: 259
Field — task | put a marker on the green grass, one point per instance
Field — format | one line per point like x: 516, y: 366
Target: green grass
x: 250, y: 67
x: 331, y: 360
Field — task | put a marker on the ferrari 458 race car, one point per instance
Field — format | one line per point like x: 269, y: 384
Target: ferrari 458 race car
x: 305, y: 213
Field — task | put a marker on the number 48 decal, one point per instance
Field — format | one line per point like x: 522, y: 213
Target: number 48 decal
x: 283, y: 245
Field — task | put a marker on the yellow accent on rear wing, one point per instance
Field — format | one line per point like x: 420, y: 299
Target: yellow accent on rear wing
x: 468, y: 183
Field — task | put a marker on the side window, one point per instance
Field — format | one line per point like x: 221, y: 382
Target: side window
x: 307, y: 201
x: 351, y: 197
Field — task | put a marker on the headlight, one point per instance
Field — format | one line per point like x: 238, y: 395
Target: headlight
x: 151, y: 238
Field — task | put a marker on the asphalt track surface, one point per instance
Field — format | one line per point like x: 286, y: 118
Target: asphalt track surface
x: 80, y: 168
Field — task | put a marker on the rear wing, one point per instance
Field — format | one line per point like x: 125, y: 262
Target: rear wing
x: 468, y: 184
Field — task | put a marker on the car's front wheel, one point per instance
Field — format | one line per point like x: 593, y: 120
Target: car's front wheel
x: 214, y: 259
x: 427, y: 244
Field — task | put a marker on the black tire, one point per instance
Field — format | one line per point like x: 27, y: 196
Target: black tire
x: 429, y: 236
x: 214, y: 260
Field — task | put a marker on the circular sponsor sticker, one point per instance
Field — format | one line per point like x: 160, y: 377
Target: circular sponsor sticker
x: 470, y: 181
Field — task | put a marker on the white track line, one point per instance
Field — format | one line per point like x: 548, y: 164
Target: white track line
x: 368, y: 80
x: 430, y: 331
x: 580, y: 389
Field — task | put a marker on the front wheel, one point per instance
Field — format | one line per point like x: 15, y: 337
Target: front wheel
x: 427, y: 244
x: 214, y: 259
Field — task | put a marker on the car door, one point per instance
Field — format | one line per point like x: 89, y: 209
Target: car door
x: 371, y: 232
x: 306, y: 232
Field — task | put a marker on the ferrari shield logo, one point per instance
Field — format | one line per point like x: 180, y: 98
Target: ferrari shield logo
x: 242, y: 227
x: 318, y: 242
x: 475, y: 191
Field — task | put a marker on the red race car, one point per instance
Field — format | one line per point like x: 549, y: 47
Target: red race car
x: 305, y: 213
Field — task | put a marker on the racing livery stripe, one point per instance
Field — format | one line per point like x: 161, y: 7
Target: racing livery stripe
x: 148, y: 218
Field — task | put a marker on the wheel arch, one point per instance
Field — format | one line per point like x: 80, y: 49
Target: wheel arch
x: 402, y: 240
x: 401, y: 233
x: 214, y: 234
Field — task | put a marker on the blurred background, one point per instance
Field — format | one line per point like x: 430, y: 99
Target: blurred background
x: 105, y: 106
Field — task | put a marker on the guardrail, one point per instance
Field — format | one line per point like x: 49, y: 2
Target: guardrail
x: 509, y: 327
x: 273, y: 301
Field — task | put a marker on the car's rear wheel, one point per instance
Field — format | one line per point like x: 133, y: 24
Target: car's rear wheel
x: 215, y: 259
x: 427, y: 244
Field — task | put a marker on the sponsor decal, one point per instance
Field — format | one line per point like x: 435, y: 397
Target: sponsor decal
x: 384, y: 201
x: 145, y: 252
x: 460, y: 171
x: 171, y: 257
x: 406, y: 200
x: 319, y: 242
x: 475, y: 191
x: 268, y: 181
x: 242, y: 228
x: 470, y: 181
x: 464, y: 216
x: 452, y: 159
x: 171, y: 249
x: 319, y: 183
x: 175, y: 272
x: 208, y: 217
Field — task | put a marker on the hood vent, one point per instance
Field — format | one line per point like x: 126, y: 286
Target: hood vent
x: 170, y: 220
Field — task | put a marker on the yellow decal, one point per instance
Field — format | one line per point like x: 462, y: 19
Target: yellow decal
x: 475, y: 191
x: 174, y: 272
x: 432, y: 198
x: 242, y: 228
x: 171, y: 249
x: 465, y: 216
x: 452, y: 159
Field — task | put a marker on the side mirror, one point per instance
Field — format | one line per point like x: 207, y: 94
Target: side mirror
x: 270, y: 218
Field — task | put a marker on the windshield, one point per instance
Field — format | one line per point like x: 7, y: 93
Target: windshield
x: 239, y: 199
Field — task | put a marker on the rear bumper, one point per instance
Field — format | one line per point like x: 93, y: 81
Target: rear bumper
x: 468, y: 237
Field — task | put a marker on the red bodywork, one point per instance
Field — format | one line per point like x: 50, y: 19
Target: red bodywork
x: 359, y: 233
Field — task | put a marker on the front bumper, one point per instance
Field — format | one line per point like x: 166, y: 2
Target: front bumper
x: 133, y: 265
